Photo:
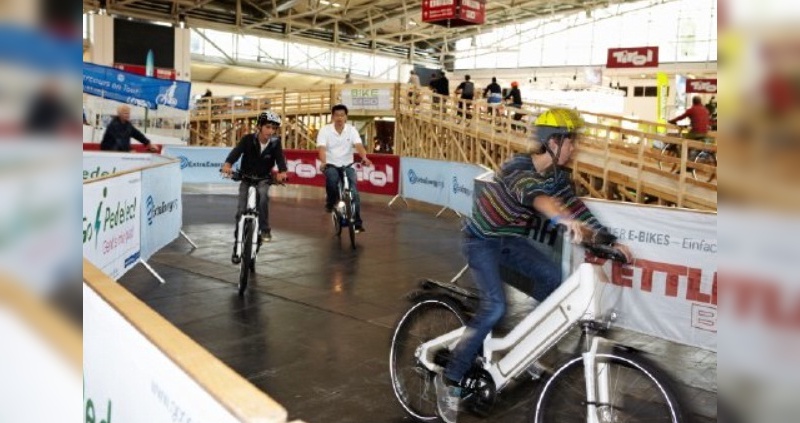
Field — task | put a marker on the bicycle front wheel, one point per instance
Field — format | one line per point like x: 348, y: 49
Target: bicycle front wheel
x: 247, y: 257
x: 411, y: 381
x: 351, y: 229
x: 637, y: 392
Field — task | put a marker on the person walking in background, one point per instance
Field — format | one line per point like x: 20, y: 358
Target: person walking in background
x: 465, y: 91
x: 120, y: 131
x: 493, y: 95
x: 348, y: 79
x: 516, y: 102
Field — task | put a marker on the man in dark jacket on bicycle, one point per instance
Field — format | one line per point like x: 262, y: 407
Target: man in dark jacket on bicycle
x: 259, y: 152
x: 527, y: 185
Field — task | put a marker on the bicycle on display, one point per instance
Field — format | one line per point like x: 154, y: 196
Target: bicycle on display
x: 603, y: 382
x: 248, y: 243
x: 696, y: 155
x: 343, y: 213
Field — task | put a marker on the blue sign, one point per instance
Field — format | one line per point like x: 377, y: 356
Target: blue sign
x: 125, y: 87
x: 424, y: 180
x: 200, y: 164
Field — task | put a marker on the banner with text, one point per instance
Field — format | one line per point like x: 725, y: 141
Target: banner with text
x: 367, y: 98
x: 97, y: 164
x: 446, y: 184
x: 127, y: 378
x: 670, y: 291
x: 125, y: 87
x: 111, y: 224
x: 462, y: 185
x: 202, y: 164
x: 162, y: 211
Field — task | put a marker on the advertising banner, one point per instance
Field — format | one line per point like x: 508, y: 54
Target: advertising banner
x: 381, y: 178
x: 702, y: 86
x: 461, y: 186
x: 632, y: 57
x: 97, y: 164
x: 111, y: 223
x: 143, y: 91
x: 425, y: 180
x: 162, y: 213
x: 129, y: 379
x: 200, y: 164
x: 670, y: 291
x: 367, y: 98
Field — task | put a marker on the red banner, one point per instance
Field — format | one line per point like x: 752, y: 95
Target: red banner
x: 632, y: 57
x: 702, y: 86
x: 473, y: 11
x: 455, y: 12
x: 162, y: 73
x: 383, y: 177
x: 436, y: 10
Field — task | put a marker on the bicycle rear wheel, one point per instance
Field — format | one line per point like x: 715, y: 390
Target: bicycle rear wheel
x: 337, y: 223
x: 638, y: 392
x: 413, y: 383
x: 706, y: 158
x: 247, y: 257
x: 670, y: 150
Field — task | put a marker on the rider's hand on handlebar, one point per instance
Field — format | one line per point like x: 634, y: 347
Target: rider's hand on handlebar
x: 322, y: 166
x: 281, y: 176
x: 366, y: 162
x: 622, y: 248
x: 578, y: 231
x: 226, y: 170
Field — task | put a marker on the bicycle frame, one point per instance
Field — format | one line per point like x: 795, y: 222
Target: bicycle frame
x: 251, y: 214
x: 576, y: 300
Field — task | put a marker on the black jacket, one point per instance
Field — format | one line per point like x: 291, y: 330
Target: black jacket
x: 254, y: 161
x: 118, y: 136
x: 515, y: 95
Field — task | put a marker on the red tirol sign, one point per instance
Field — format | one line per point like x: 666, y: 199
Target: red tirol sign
x: 454, y: 12
x: 161, y: 73
x: 632, y: 57
x: 381, y: 178
x: 702, y: 86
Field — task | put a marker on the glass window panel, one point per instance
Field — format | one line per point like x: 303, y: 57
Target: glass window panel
x: 248, y: 47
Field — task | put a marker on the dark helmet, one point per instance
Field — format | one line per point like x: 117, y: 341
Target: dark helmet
x: 269, y: 117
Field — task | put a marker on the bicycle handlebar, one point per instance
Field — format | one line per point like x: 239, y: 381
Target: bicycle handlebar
x: 606, y: 251
x: 327, y: 165
x: 238, y: 175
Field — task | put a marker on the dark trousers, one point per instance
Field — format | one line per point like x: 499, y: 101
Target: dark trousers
x: 263, y: 203
x: 332, y: 178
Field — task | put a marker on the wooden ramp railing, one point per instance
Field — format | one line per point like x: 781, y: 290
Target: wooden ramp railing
x: 618, y: 158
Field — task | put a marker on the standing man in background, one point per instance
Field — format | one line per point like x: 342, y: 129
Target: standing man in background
x: 336, y: 142
x: 466, y: 91
x: 120, y: 131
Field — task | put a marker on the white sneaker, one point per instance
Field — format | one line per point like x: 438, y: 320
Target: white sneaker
x: 447, y: 399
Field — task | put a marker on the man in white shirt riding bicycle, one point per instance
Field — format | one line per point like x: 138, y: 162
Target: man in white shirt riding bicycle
x: 260, y: 152
x: 526, y: 186
x: 336, y: 142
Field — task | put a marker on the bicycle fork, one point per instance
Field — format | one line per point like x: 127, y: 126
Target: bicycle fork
x: 598, y: 397
x: 240, y: 234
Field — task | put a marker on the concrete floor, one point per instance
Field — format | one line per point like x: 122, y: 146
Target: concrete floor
x: 314, y: 329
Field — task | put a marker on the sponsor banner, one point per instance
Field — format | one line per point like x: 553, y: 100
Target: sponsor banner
x: 162, y: 210
x: 143, y: 91
x: 670, y: 291
x: 425, y: 180
x: 155, y: 388
x: 632, y: 57
x: 367, y: 98
x: 461, y: 186
x: 200, y: 164
x: 702, y: 86
x: 97, y: 164
x: 381, y: 178
x: 436, y: 10
x: 111, y: 223
x: 473, y: 11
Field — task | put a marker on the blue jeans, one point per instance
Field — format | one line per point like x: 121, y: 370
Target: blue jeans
x: 332, y: 176
x: 485, y: 256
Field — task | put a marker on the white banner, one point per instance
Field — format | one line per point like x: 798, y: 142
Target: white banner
x: 200, y: 164
x: 367, y: 98
x: 98, y: 164
x: 461, y: 186
x: 111, y: 222
x: 128, y: 379
x: 162, y: 212
x: 424, y: 180
x: 670, y: 291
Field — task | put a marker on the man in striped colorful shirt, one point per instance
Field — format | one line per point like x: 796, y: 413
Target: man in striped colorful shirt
x: 527, y: 186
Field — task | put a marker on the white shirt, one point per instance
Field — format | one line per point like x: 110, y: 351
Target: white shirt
x: 339, y: 147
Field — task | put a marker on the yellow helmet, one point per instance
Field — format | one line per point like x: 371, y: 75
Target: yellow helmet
x: 557, y: 121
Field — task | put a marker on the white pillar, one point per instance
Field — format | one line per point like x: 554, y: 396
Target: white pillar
x: 101, y: 40
x: 183, y: 55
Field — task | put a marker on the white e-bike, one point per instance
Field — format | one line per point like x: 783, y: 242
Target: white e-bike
x: 603, y: 382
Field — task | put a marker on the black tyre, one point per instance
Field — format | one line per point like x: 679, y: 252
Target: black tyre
x: 412, y: 383
x: 639, y: 392
x: 337, y: 223
x: 247, y: 259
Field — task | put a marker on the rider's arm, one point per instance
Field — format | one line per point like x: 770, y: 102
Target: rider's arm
x: 359, y: 146
x: 280, y: 158
x: 234, y: 155
x: 139, y: 136
x: 683, y: 116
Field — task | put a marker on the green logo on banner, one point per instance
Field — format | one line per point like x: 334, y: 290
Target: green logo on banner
x: 92, y: 414
x: 107, y: 218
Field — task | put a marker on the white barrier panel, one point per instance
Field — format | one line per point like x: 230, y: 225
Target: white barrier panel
x: 670, y: 291
x: 129, y: 379
x: 446, y: 184
x: 99, y: 164
x: 111, y: 223
x: 200, y: 164
x: 162, y: 210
